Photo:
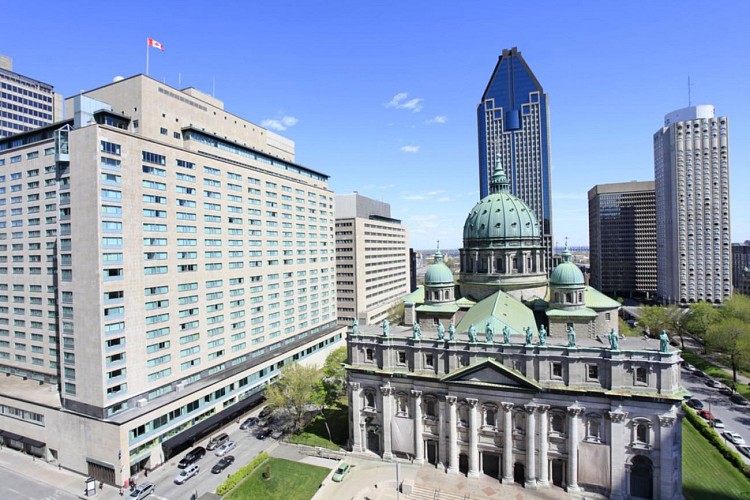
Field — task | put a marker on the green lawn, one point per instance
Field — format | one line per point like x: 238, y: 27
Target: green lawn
x: 705, y: 473
x: 316, y: 434
x: 289, y: 481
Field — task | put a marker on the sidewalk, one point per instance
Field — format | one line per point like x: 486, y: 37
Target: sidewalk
x: 695, y: 347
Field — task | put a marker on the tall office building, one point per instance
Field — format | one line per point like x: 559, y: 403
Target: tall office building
x: 25, y: 103
x: 372, y: 259
x: 740, y: 262
x: 160, y: 260
x: 622, y: 238
x: 691, y: 166
x: 513, y: 123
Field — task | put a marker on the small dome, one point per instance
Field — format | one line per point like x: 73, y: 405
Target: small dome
x: 501, y: 215
x: 438, y: 274
x: 566, y: 273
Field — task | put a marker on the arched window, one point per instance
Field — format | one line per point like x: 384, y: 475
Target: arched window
x: 402, y: 404
x: 569, y: 297
x: 641, y: 432
x: 515, y: 264
x: 594, y: 428
x: 370, y: 399
x: 580, y: 296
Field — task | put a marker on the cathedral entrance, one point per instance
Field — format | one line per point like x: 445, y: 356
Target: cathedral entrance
x: 373, y: 442
x: 491, y: 464
x: 519, y: 473
x: 558, y: 473
x: 641, y: 478
x: 432, y: 452
x: 463, y: 463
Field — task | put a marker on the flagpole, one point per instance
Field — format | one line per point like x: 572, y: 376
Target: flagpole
x: 146, y: 57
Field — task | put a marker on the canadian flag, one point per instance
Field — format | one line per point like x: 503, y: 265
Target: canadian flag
x: 155, y: 44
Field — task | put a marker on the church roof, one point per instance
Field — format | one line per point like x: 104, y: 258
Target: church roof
x: 438, y: 308
x: 417, y: 296
x: 499, y: 309
x: 566, y: 274
x: 597, y: 300
x: 584, y: 312
x: 438, y: 274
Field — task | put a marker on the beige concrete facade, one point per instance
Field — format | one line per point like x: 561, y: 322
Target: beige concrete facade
x: 372, y: 259
x: 157, y: 280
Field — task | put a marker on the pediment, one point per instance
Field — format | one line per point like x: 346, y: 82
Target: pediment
x: 491, y: 372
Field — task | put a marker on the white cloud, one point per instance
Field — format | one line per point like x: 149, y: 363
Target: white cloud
x: 409, y: 149
x: 399, y: 102
x: 437, y: 119
x: 443, y: 199
x: 280, y: 124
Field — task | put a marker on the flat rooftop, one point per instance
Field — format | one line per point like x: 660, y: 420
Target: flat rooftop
x: 15, y: 387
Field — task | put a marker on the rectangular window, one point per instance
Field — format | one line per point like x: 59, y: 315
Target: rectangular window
x: 593, y: 372
x: 556, y: 370
x: 153, y: 158
x: 110, y: 148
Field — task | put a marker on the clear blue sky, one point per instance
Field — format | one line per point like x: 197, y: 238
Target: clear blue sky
x: 327, y: 72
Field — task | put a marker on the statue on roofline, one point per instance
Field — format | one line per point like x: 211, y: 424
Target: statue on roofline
x: 441, y: 331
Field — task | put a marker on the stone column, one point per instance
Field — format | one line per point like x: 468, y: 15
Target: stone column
x: 418, y: 432
x: 442, y: 444
x: 473, y: 438
x: 452, y: 435
x: 530, y: 446
x: 387, y: 405
x: 543, y: 476
x: 507, y: 443
x: 354, y: 388
x: 573, y: 413
x: 617, y: 439
x: 667, y: 457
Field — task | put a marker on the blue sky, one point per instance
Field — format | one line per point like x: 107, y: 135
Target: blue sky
x: 382, y: 95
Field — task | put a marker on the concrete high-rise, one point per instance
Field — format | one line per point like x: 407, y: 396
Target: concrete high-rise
x: 740, y: 262
x: 513, y: 123
x: 25, y: 103
x: 622, y: 238
x: 691, y: 166
x: 160, y: 260
x: 372, y: 259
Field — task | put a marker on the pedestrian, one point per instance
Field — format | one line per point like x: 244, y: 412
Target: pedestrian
x: 120, y: 490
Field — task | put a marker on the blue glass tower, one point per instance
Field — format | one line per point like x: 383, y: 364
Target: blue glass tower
x: 513, y: 124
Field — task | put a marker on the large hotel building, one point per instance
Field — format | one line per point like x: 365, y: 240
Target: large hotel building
x: 372, y: 259
x: 160, y: 260
x: 693, y: 243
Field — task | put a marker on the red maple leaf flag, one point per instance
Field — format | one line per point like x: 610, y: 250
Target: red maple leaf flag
x: 155, y: 44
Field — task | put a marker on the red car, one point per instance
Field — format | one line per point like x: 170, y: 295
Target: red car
x: 706, y: 414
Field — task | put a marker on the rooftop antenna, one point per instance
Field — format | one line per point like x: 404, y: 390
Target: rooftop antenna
x: 690, y: 100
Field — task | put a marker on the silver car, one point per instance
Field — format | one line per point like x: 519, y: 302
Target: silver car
x: 226, y: 448
x: 186, y: 473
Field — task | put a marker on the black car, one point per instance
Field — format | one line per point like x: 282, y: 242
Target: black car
x: 695, y: 404
x: 222, y: 464
x: 193, y: 456
x: 249, y: 423
x: 739, y: 400
x: 263, y: 434
x: 699, y: 373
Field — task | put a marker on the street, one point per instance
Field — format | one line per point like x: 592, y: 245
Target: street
x: 17, y: 486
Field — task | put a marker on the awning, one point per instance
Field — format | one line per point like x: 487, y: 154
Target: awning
x: 197, y: 432
x: 11, y: 436
x: 33, y: 442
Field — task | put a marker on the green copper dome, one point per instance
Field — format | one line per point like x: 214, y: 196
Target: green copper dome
x: 500, y: 215
x: 438, y: 274
x: 566, y: 273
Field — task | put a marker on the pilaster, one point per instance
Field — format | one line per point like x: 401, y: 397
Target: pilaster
x: 387, y: 405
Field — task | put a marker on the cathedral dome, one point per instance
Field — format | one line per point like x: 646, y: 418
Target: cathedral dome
x: 500, y: 216
x: 567, y: 274
x: 438, y: 274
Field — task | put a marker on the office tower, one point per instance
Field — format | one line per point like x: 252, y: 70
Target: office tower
x: 691, y: 166
x: 25, y: 103
x: 740, y: 261
x: 161, y: 259
x: 513, y: 123
x: 372, y: 259
x: 622, y: 238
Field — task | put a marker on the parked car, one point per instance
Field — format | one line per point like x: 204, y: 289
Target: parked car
x: 263, y: 433
x: 699, y: 373
x: 706, y: 414
x: 222, y: 464
x: 249, y: 422
x: 193, y: 456
x: 217, y: 441
x: 716, y: 423
x: 687, y: 366
x: 225, y: 448
x: 739, y: 400
x: 142, y: 491
x: 714, y: 383
x: 341, y: 472
x: 744, y: 449
x: 727, y: 391
x: 735, y: 438
x: 265, y: 412
x: 186, y: 473
x: 695, y: 404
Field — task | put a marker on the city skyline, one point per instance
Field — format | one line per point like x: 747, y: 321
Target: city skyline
x: 395, y: 100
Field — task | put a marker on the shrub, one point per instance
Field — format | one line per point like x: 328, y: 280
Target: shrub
x: 241, y: 474
x: 711, y: 435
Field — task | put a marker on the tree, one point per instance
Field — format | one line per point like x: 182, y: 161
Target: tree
x: 654, y: 318
x: 701, y: 315
x: 334, y: 376
x: 396, y: 313
x: 731, y: 336
x: 296, y: 388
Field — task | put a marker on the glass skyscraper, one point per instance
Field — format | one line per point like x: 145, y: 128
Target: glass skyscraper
x: 513, y: 124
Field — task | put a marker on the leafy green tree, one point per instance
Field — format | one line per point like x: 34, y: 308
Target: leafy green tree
x: 654, y: 318
x: 700, y: 317
x: 396, y: 313
x: 296, y: 388
x: 334, y: 376
x: 731, y: 336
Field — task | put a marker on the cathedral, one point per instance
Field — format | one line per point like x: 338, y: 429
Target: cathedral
x: 508, y: 373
